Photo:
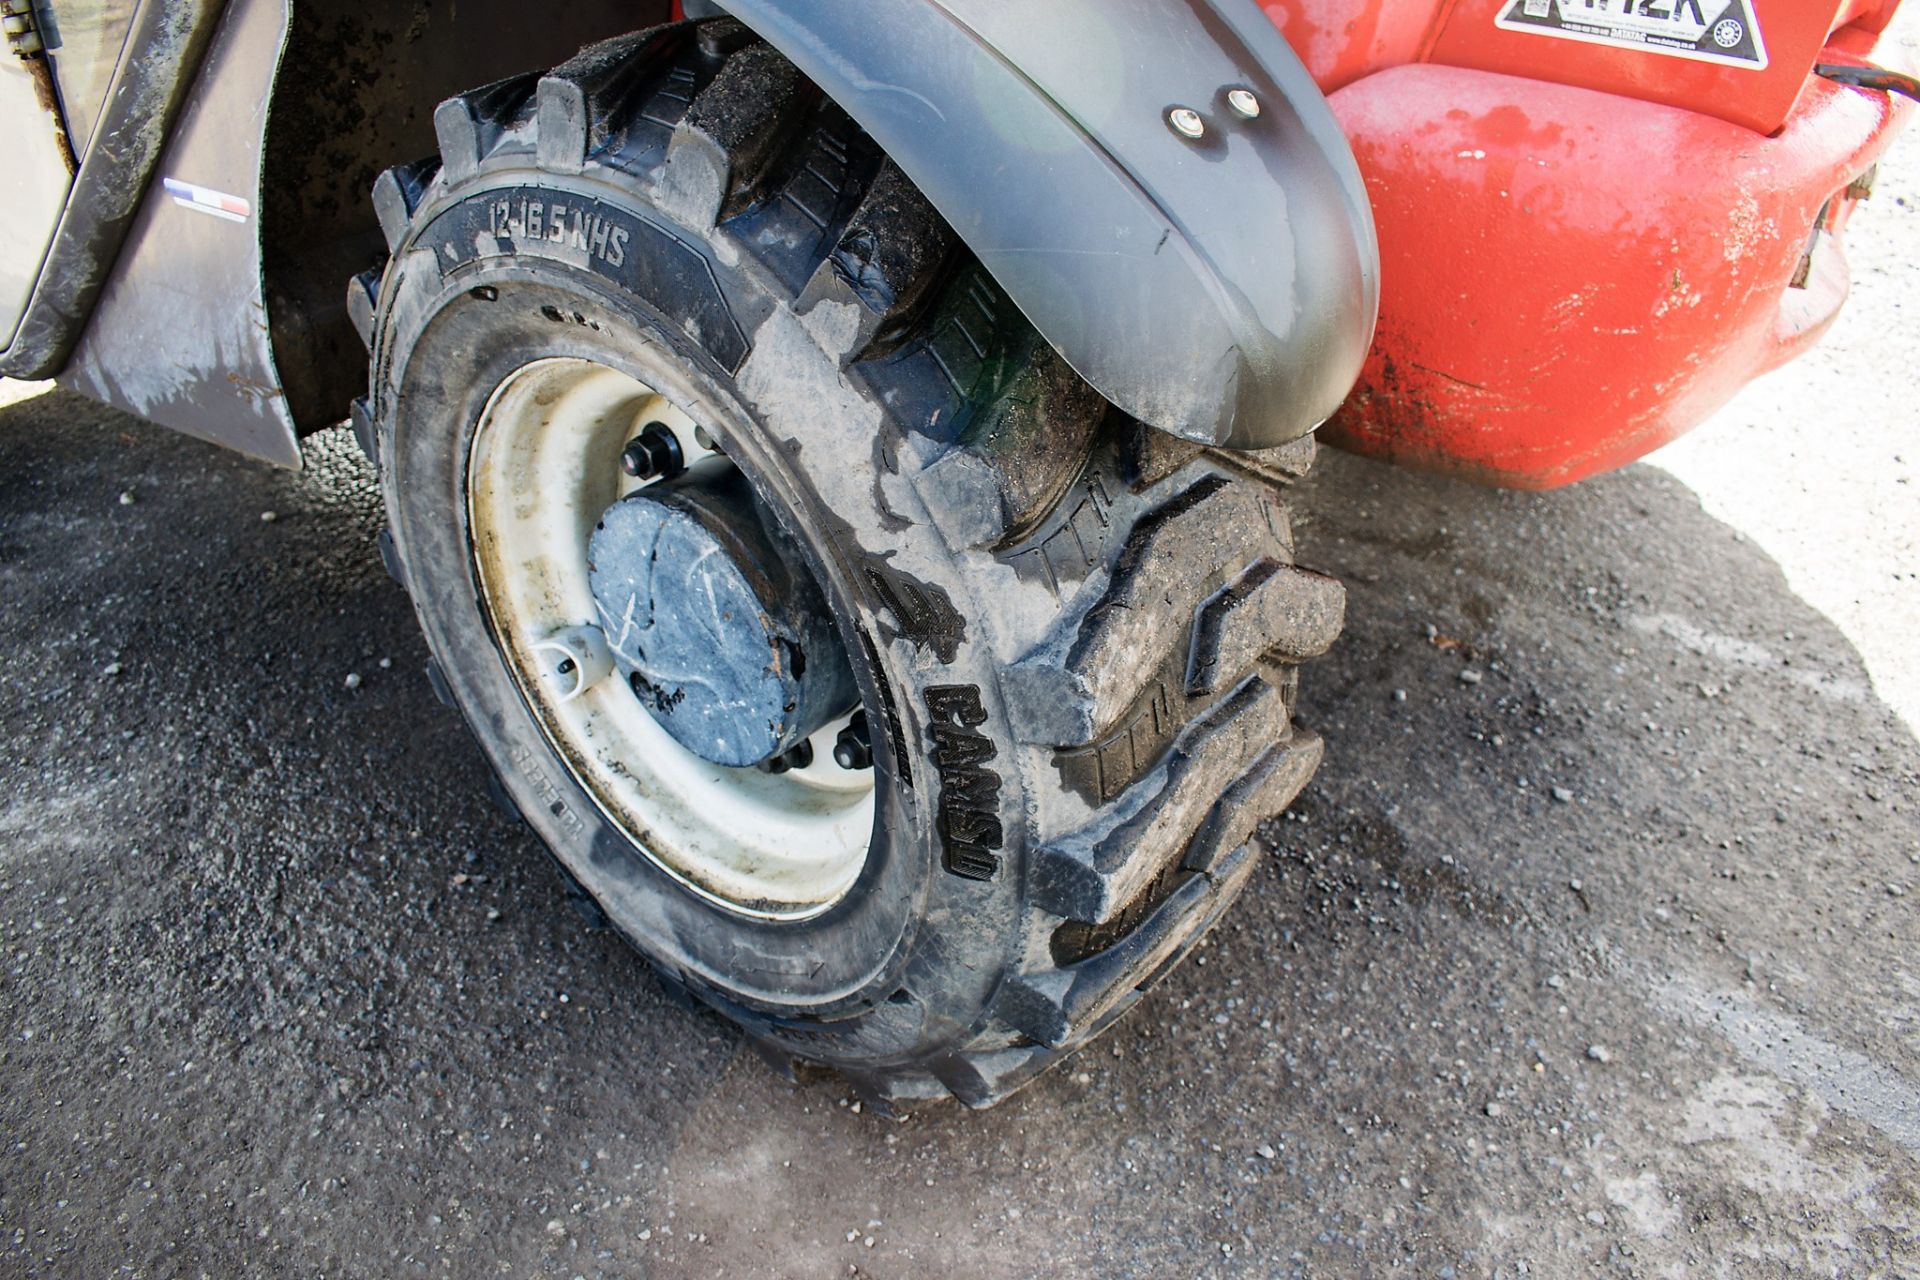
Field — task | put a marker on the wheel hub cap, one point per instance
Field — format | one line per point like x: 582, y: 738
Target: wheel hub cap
x: 715, y: 625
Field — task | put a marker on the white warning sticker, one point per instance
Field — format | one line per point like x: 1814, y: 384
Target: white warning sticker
x: 1722, y: 31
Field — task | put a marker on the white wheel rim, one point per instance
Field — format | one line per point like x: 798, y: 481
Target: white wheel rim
x: 543, y: 466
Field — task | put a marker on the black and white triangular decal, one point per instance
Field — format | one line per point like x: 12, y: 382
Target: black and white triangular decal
x: 1723, y: 31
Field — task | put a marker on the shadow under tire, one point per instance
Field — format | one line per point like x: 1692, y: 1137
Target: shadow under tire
x: 1075, y: 640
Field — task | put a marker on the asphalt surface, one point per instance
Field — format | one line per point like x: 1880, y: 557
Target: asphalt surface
x: 1592, y: 950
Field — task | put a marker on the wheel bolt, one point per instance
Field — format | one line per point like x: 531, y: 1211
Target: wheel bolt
x: 797, y: 756
x: 654, y: 454
x: 852, y: 749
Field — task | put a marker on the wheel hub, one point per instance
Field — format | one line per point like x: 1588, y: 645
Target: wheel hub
x: 549, y: 460
x: 713, y: 619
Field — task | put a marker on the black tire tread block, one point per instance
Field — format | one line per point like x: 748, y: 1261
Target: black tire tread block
x: 1078, y: 687
x: 396, y: 194
x: 1093, y: 873
x: 723, y: 149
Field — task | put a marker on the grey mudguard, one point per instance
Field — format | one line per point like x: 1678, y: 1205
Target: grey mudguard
x: 1223, y: 289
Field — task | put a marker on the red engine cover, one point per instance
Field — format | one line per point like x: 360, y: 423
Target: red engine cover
x: 1570, y: 278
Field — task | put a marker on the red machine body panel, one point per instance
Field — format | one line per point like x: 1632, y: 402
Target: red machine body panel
x: 1586, y: 249
x: 1569, y: 279
x: 1760, y: 98
x: 1344, y: 40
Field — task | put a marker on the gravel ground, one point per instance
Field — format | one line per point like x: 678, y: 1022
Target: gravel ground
x: 1591, y: 950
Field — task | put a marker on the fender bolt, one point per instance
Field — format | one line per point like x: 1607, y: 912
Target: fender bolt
x: 1244, y: 103
x: 1186, y: 122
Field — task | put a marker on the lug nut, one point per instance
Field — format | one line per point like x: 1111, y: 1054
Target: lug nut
x: 654, y: 454
x: 798, y: 756
x: 853, y: 749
